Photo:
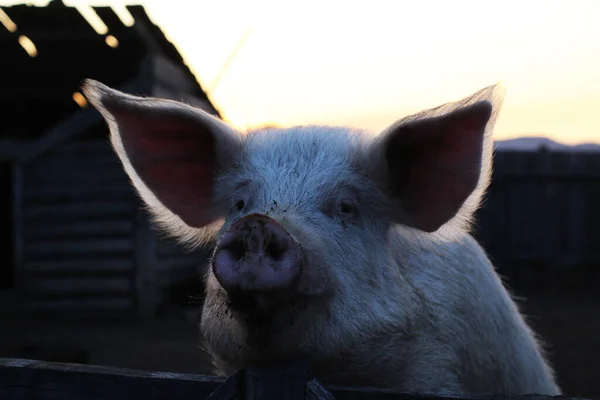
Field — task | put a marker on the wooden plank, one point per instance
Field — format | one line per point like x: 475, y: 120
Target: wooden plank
x: 102, y: 159
x: 67, y: 155
x: 80, y: 267
x: 87, y: 211
x: 11, y: 150
x: 542, y: 258
x: 559, y: 165
x: 74, y: 169
x: 91, y: 149
x: 175, y: 263
x: 24, y: 379
x: 166, y: 278
x: 54, y: 192
x: 228, y: 389
x: 55, y: 17
x: 106, y: 245
x: 149, y: 295
x: 587, y: 176
x: 78, y: 175
x: 80, y: 229
x: 83, y: 119
x: 66, y: 285
x: 575, y: 211
x: 77, y: 305
x: 18, y: 221
x: 85, y: 257
x: 92, y: 146
x: 590, y: 218
x: 112, y: 21
x: 285, y: 381
x: 10, y: 302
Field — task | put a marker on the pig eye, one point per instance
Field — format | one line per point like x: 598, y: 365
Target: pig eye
x: 239, y: 205
x: 346, y: 208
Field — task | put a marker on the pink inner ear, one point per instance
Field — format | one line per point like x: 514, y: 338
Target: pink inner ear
x: 174, y: 156
x: 435, y: 164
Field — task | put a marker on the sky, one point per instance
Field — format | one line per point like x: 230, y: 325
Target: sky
x: 367, y: 64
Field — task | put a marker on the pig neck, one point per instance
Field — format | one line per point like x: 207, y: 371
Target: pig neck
x: 383, y: 358
x: 388, y: 356
x: 380, y: 360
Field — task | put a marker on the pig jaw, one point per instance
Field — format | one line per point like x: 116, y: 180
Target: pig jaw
x: 306, y: 331
x: 237, y: 335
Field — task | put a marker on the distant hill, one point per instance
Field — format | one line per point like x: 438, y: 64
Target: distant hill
x: 535, y: 143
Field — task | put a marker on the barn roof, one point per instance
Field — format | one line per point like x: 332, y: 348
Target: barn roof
x: 37, y: 92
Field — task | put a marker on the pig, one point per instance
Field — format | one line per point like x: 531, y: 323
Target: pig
x: 345, y: 248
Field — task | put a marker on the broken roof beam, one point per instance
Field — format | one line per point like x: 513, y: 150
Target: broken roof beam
x: 111, y: 20
x: 53, y: 17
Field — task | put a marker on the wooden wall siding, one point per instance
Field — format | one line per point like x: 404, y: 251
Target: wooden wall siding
x: 87, y: 242
x: 175, y: 262
x: 81, y: 240
x: 542, y: 208
x: 78, y: 230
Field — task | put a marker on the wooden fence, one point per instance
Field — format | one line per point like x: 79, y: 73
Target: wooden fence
x: 542, y: 209
x: 27, y: 379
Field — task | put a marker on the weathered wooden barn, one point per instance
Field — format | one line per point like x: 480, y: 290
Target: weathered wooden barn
x: 76, y: 238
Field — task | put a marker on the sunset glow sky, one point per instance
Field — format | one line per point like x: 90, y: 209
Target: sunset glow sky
x: 366, y: 64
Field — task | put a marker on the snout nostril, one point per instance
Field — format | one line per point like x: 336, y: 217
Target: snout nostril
x: 237, y: 250
x: 257, y: 255
x: 275, y: 250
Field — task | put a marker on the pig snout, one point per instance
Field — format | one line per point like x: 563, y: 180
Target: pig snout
x: 257, y: 255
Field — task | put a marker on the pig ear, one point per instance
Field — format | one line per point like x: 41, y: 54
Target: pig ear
x: 437, y: 163
x: 171, y: 152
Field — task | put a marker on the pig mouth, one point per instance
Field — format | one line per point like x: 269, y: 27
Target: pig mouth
x: 265, y: 316
x: 265, y: 323
x: 256, y: 306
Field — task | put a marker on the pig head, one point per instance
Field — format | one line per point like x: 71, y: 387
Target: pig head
x: 349, y: 249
